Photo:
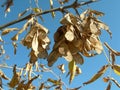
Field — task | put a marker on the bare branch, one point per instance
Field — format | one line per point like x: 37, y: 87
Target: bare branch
x: 75, y: 4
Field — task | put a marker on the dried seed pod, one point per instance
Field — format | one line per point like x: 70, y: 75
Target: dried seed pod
x: 72, y: 48
x: 78, y: 58
x: 61, y: 67
x: 52, y: 58
x: 59, y: 34
x: 33, y: 56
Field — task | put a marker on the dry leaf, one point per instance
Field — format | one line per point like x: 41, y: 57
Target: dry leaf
x: 2, y: 75
x: 37, y: 67
x: 55, y: 82
x: 69, y: 19
x: 28, y: 69
x: 15, y: 47
x: 1, y: 40
x: 26, y: 86
x: 27, y: 41
x: 106, y: 79
x: 103, y: 26
x: 96, y: 44
x: 53, y: 14
x: 97, y: 13
x: 59, y: 87
x: 63, y: 1
x: 1, y: 83
x: 87, y: 54
x: 33, y: 56
x: 20, y: 85
x: 2, y: 51
x: 112, y: 55
x: 38, y: 10
x: 23, y: 13
x: 72, y: 70
x: 96, y: 76
x: 16, y: 78
x: 77, y: 88
x: 8, y: 4
x: 116, y: 69
x: 88, y: 45
x: 15, y: 38
x: 98, y: 48
x: 78, y: 70
x: 42, y: 86
x: 51, y: 6
x: 83, y: 15
x: 61, y: 67
x: 115, y: 81
x: 8, y: 30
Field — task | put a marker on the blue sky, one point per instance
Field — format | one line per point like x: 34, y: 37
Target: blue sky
x: 91, y: 65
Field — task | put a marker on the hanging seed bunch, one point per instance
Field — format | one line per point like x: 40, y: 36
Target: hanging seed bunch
x: 38, y: 41
x: 78, y: 36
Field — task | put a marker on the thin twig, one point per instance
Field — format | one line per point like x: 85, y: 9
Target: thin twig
x: 115, y: 52
x: 47, y: 11
x: 11, y: 67
x: 106, y: 57
x: 45, y: 69
x: 54, y: 74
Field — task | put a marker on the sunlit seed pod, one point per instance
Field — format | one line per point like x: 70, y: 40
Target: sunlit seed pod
x: 69, y: 35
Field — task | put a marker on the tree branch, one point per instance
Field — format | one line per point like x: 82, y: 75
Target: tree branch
x: 73, y: 5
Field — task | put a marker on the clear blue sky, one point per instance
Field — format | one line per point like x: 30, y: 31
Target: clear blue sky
x: 91, y: 65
